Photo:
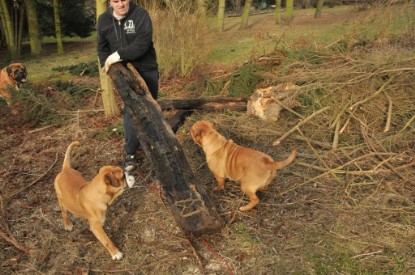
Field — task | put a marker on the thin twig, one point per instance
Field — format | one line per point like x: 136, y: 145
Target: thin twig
x: 33, y: 182
x: 381, y: 89
x: 318, y: 157
x: 14, y: 242
x: 278, y: 141
x: 335, y: 143
x: 389, y: 116
x: 335, y: 169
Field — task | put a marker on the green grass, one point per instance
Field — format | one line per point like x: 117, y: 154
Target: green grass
x: 235, y: 46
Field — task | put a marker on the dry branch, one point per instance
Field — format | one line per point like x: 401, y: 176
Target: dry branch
x: 389, y: 116
x: 381, y: 89
x: 278, y: 141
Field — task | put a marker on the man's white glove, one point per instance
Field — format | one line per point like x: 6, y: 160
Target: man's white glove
x: 130, y: 180
x: 113, y: 58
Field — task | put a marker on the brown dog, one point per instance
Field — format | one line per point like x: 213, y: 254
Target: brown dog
x: 10, y: 78
x: 89, y: 200
x: 227, y: 160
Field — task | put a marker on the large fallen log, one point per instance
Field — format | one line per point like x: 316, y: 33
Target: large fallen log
x: 208, y: 104
x: 190, y: 205
x: 185, y: 106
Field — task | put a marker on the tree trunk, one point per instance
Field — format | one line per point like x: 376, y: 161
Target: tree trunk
x: 109, y: 101
x: 33, y: 28
x: 188, y: 201
x: 58, y: 27
x: 319, y: 8
x: 8, y: 30
x: 19, y: 40
x: 221, y: 15
x: 201, y: 8
x: 245, y: 14
x: 277, y: 13
x: 289, y: 10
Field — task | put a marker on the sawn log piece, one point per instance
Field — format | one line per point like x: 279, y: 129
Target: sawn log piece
x: 190, y: 205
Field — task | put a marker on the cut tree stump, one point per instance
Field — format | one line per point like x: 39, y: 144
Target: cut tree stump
x: 189, y: 203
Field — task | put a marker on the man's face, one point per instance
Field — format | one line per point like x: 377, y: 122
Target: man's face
x: 120, y: 6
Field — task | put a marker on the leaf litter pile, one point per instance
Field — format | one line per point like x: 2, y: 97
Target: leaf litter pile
x: 346, y: 204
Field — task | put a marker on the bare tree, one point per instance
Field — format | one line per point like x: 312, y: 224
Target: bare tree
x: 201, y: 7
x: 9, y: 30
x: 319, y: 8
x: 221, y: 14
x: 289, y: 10
x: 58, y: 27
x: 33, y: 28
x: 245, y: 14
x: 277, y: 13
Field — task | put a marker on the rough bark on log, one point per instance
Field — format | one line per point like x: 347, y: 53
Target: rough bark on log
x: 216, y: 103
x: 188, y: 201
x: 177, y: 119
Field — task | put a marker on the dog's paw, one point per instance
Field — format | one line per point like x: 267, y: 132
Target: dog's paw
x: 245, y: 208
x: 117, y: 256
x: 130, y: 180
x: 68, y: 227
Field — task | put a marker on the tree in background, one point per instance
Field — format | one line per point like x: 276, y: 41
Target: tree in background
x: 277, y: 13
x: 58, y: 27
x: 289, y: 10
x: 77, y: 18
x: 33, y: 28
x: 245, y: 14
x: 319, y: 8
x: 201, y: 8
x: 221, y: 14
x: 9, y: 30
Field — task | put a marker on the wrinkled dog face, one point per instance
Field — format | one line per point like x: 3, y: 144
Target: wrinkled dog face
x: 198, y: 130
x: 18, y: 72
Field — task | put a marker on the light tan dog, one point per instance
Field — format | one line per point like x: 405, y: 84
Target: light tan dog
x: 10, y: 78
x: 228, y: 160
x: 89, y: 200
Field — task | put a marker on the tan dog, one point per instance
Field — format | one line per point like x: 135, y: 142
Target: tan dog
x: 10, y: 78
x: 227, y: 160
x: 89, y: 200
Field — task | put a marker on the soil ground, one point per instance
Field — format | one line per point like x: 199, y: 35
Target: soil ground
x: 304, y: 231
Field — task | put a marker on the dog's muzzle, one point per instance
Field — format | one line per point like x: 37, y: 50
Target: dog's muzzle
x: 20, y: 76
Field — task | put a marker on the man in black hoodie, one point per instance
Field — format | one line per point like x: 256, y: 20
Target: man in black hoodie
x: 125, y: 34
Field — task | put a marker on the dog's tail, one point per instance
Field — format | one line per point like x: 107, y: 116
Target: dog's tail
x: 281, y: 164
x: 67, y: 159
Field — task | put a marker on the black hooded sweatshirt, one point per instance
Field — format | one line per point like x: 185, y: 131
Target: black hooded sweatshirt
x: 131, y: 37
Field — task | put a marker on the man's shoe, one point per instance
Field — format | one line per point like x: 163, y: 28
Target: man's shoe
x: 129, y: 163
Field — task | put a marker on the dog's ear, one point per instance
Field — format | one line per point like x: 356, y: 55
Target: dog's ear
x: 112, y: 179
x: 196, y: 132
x: 118, y: 172
x: 9, y: 70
